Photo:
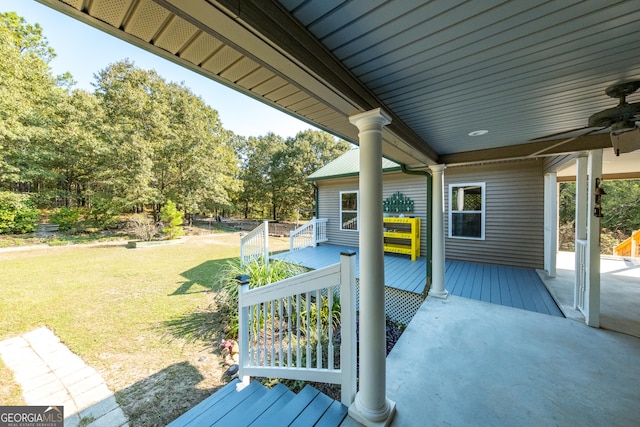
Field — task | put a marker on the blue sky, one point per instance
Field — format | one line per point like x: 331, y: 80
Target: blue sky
x: 83, y: 50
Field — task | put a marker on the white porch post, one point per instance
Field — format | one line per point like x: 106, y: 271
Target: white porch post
x: 437, y: 234
x: 371, y: 406
x: 580, y: 224
x: 550, y: 223
x: 592, y: 305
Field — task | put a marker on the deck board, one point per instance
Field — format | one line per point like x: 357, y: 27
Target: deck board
x: 467, y: 284
x: 475, y: 280
x: 485, y: 293
x: 495, y: 297
x: 452, y: 274
x: 505, y: 292
x: 511, y: 286
x: 516, y: 295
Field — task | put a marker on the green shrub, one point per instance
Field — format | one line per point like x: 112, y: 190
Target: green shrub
x: 170, y: 215
x: 17, y: 213
x: 104, y: 213
x: 67, y: 219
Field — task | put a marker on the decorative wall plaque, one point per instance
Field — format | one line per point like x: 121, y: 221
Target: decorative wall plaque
x: 397, y: 203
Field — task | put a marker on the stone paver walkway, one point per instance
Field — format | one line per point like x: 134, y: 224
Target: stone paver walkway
x: 50, y: 374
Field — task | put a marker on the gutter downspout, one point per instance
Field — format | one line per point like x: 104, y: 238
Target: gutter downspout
x: 316, y: 196
x: 429, y: 213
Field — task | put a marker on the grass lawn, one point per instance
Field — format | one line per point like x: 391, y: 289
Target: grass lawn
x: 129, y: 313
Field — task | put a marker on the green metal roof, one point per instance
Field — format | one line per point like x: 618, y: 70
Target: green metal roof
x: 347, y: 164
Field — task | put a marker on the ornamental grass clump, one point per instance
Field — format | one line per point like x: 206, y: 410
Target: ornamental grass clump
x: 260, y: 274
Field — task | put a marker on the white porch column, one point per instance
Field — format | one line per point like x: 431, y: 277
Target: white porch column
x: 580, y: 224
x: 592, y: 297
x: 437, y: 234
x: 550, y: 223
x: 371, y: 406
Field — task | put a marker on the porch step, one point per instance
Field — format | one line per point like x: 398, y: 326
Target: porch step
x: 256, y: 405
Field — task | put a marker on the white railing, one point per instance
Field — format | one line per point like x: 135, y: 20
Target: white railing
x: 255, y: 244
x: 580, y: 287
x: 309, y: 234
x: 289, y: 329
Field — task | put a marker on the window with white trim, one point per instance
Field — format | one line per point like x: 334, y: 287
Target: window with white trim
x: 467, y: 210
x: 349, y: 210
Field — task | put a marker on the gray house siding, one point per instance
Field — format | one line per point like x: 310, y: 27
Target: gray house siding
x: 412, y: 186
x: 329, y: 207
x: 514, y: 227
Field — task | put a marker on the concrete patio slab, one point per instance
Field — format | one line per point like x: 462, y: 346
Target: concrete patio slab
x: 466, y: 362
x: 619, y: 291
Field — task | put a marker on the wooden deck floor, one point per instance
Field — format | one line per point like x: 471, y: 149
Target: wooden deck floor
x: 496, y: 284
x: 399, y: 271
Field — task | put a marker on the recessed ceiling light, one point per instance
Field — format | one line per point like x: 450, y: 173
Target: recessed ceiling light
x: 478, y: 132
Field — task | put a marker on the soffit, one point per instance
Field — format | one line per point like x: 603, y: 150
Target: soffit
x: 522, y: 70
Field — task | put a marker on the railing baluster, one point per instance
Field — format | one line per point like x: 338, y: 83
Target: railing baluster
x: 265, y: 349
x: 251, y: 336
x: 299, y: 350
x: 273, y: 334
x: 289, y: 333
x: 319, y: 329
x: 256, y: 321
x: 308, y: 328
x: 280, y: 332
x: 256, y: 333
x: 254, y: 337
x: 260, y: 335
x: 330, y: 355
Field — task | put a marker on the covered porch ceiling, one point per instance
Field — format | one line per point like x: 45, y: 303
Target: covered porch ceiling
x: 520, y: 69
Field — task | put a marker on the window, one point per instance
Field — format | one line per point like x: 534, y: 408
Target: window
x: 466, y: 210
x: 348, y: 210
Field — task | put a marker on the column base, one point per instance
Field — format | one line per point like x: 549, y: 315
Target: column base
x: 370, y: 418
x: 438, y: 294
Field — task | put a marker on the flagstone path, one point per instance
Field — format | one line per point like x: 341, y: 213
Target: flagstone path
x: 50, y: 374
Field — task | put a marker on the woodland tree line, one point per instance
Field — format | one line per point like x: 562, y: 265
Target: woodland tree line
x: 134, y: 143
x: 620, y: 207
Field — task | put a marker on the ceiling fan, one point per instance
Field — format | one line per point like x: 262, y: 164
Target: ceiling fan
x: 623, y: 119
